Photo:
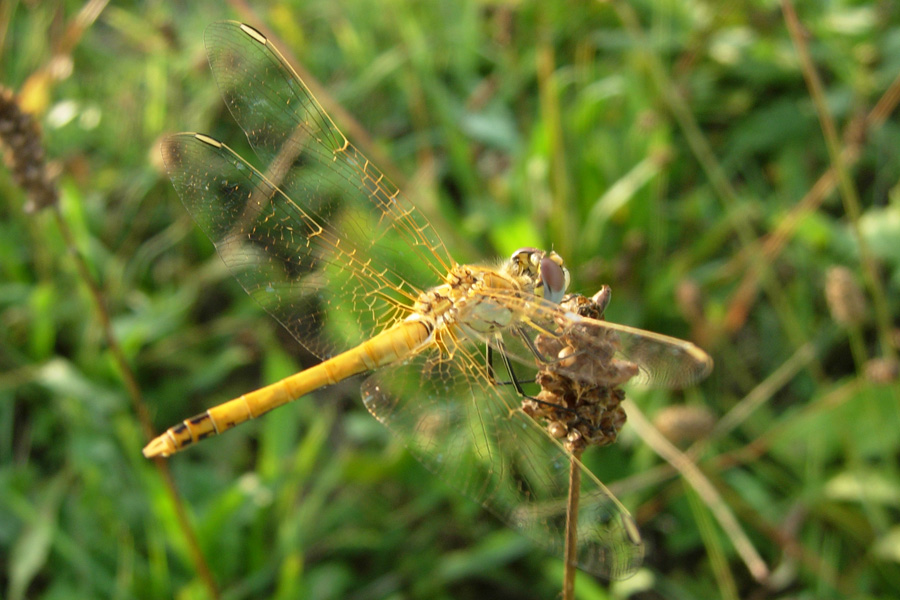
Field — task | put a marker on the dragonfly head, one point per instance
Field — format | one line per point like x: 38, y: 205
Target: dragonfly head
x: 545, y: 270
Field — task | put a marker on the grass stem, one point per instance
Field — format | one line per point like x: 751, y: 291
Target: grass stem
x: 571, y: 554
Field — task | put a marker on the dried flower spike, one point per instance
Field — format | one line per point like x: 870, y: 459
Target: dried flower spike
x: 24, y: 155
x: 882, y: 370
x: 844, y: 296
x: 579, y: 413
x: 684, y: 424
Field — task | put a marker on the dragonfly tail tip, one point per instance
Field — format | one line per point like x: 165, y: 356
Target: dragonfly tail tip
x: 160, y: 446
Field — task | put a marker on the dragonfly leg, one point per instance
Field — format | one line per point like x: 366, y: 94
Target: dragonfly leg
x: 514, y: 380
x: 533, y: 349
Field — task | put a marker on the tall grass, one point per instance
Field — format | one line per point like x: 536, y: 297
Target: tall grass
x: 712, y: 166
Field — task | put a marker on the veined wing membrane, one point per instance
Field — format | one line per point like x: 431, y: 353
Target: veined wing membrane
x: 288, y: 256
x: 662, y: 361
x: 475, y: 437
x: 311, y: 161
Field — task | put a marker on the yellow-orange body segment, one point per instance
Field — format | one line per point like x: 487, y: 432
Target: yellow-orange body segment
x: 392, y: 345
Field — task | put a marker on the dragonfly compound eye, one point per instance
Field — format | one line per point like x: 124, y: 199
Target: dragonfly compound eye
x: 555, y: 279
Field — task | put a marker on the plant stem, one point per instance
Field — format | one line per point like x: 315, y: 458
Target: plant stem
x: 570, y: 556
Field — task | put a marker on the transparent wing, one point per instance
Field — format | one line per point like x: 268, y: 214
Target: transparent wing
x: 318, y: 236
x: 474, y: 436
x: 662, y: 361
x: 289, y: 257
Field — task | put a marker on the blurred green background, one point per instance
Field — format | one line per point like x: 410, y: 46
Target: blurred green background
x: 674, y: 150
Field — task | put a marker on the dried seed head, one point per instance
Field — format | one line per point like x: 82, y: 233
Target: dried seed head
x: 684, y: 424
x: 689, y: 300
x: 882, y: 370
x: 24, y: 154
x: 844, y: 296
x: 580, y: 401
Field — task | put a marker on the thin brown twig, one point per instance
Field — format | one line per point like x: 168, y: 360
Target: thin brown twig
x: 758, y: 446
x: 73, y: 34
x: 21, y: 135
x: 848, y: 190
x: 707, y: 160
x: 704, y: 488
x: 746, y: 293
x: 138, y: 403
x: 751, y: 452
x: 757, y: 397
x: 570, y: 558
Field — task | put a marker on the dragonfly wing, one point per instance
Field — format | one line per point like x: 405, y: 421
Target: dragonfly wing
x: 474, y: 436
x: 302, y: 149
x: 282, y: 253
x: 318, y: 236
x: 662, y: 361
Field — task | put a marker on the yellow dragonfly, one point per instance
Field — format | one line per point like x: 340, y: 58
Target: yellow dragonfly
x: 332, y: 250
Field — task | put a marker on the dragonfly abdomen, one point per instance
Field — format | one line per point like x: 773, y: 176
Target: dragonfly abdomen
x: 391, y: 345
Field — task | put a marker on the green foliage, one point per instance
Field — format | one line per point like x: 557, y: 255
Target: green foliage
x: 510, y: 124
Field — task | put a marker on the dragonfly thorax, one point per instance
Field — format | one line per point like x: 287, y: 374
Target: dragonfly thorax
x: 480, y: 299
x: 472, y: 297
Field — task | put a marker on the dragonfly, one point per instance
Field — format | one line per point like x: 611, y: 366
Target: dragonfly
x: 328, y: 246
